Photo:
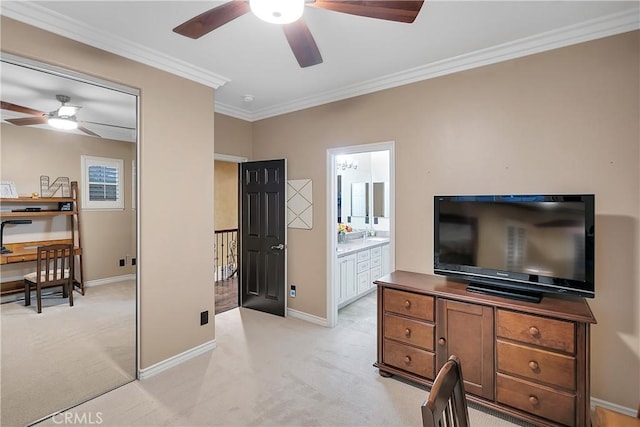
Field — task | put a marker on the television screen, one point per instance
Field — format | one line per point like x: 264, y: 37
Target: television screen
x: 527, y: 244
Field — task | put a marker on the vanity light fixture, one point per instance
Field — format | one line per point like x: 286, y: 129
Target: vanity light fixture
x: 344, y: 164
x: 277, y: 11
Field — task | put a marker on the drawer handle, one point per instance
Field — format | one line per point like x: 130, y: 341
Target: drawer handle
x: 407, y: 360
x: 407, y: 333
x: 442, y: 341
x: 407, y: 304
x: 534, y: 366
x: 533, y: 400
x: 534, y: 332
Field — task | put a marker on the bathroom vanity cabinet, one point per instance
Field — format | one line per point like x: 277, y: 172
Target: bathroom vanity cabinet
x: 359, y: 265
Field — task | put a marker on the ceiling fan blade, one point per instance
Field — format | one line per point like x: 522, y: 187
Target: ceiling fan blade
x: 389, y: 10
x: 88, y: 132
x: 26, y: 121
x: 302, y: 44
x: 212, y: 19
x: 113, y: 126
x: 20, y: 109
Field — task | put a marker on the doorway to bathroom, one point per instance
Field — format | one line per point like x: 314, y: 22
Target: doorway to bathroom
x: 361, y: 226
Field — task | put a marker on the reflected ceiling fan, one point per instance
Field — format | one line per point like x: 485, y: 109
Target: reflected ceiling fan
x: 62, y: 118
x: 289, y: 13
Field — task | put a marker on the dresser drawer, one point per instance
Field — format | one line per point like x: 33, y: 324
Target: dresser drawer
x: 539, y: 365
x: 551, y: 333
x: 415, y: 360
x: 362, y: 266
x: 536, y: 399
x: 363, y: 255
x: 377, y: 251
x: 409, y: 331
x: 409, y: 304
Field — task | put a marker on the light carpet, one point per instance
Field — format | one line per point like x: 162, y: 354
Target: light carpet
x: 273, y: 371
x: 65, y: 355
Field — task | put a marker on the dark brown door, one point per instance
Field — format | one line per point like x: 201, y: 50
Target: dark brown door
x: 262, y: 236
x: 466, y: 330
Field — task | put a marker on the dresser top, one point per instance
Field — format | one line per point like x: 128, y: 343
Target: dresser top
x: 568, y: 308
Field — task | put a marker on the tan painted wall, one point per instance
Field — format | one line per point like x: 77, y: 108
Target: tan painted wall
x: 106, y: 235
x: 175, y: 170
x: 234, y: 137
x: 556, y: 122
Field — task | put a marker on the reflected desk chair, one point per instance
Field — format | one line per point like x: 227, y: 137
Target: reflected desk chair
x: 54, y: 268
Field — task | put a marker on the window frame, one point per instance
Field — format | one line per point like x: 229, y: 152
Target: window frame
x: 102, y: 205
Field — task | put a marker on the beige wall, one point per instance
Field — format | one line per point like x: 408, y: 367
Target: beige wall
x: 175, y: 170
x: 563, y: 121
x: 234, y: 137
x: 106, y: 235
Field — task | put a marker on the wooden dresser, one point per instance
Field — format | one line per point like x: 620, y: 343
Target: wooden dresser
x: 525, y: 359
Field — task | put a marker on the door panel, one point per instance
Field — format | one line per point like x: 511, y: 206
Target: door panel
x: 262, y: 236
x: 466, y: 330
x: 253, y: 212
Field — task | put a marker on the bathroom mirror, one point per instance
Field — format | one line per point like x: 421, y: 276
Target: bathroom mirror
x: 65, y: 355
x: 380, y: 199
x: 360, y: 199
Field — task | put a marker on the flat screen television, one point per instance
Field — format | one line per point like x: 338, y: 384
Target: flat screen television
x: 517, y: 246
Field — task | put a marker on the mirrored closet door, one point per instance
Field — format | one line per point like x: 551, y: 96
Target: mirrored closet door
x: 66, y: 354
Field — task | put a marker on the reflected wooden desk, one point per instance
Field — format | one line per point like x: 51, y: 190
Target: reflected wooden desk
x: 24, y: 252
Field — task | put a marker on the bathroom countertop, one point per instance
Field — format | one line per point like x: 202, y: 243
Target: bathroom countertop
x: 356, y: 245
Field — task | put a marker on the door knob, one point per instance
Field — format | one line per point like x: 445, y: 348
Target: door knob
x: 278, y: 247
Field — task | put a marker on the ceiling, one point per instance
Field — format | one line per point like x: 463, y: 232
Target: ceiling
x: 256, y: 76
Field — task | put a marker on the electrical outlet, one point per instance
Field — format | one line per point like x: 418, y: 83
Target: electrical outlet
x: 204, y: 317
x: 292, y: 291
x: 122, y: 263
x: 133, y: 261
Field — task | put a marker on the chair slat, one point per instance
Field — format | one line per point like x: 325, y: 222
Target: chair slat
x: 446, y: 405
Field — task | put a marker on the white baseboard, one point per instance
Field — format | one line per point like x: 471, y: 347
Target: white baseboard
x: 108, y: 280
x: 176, y: 360
x: 307, y: 317
x: 612, y: 406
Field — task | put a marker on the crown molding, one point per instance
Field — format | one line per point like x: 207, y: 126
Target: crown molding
x: 56, y: 23
x: 232, y: 111
x: 617, y: 23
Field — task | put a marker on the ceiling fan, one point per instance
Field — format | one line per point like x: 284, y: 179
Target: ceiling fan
x: 62, y: 118
x: 289, y: 14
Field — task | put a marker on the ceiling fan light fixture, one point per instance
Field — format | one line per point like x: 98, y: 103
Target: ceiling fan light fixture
x: 63, y: 122
x: 66, y: 111
x: 277, y: 11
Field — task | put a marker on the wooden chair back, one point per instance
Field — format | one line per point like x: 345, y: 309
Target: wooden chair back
x: 447, y: 404
x: 54, y: 267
